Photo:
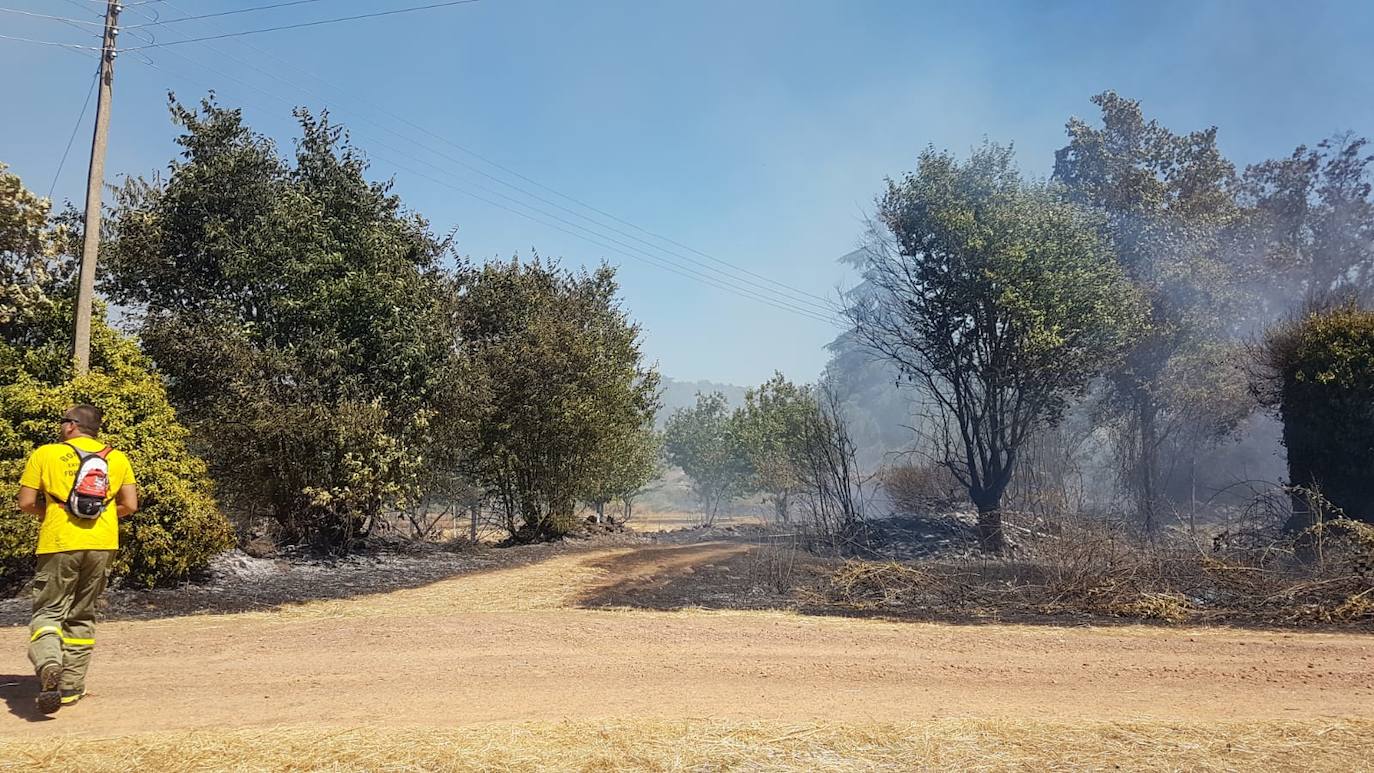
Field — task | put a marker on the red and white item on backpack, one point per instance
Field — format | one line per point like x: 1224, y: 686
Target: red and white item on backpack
x: 90, y: 493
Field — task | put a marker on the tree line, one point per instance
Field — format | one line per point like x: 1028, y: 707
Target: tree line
x: 298, y: 348
x: 303, y: 350
x: 1149, y: 291
x: 1135, y: 287
x: 789, y: 443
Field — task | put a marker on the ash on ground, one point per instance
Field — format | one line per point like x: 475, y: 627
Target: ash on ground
x: 946, y: 533
x: 914, y: 536
x: 238, y: 582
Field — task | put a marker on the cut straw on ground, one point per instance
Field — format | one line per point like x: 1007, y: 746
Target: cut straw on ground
x: 964, y: 745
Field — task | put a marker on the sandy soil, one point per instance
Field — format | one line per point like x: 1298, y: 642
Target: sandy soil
x: 520, y: 644
x: 649, y: 521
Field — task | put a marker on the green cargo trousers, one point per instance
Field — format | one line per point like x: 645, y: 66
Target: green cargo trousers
x: 65, y: 590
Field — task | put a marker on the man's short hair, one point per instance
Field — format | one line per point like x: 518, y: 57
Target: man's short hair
x: 88, y: 418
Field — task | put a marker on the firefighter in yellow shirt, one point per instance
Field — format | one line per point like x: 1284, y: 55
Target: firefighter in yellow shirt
x: 77, y: 541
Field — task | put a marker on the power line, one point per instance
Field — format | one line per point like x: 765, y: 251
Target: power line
x: 83, y: 8
x: 800, y: 305
x: 796, y: 294
x: 725, y: 281
x: 51, y: 43
x: 590, y: 236
x: 688, y: 273
x: 800, y: 302
x: 53, y: 18
x: 767, y: 284
x: 307, y: 24
x: 76, y: 23
x: 94, y: 79
x: 225, y: 13
x: 795, y: 303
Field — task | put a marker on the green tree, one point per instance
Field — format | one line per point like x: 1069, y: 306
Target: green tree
x: 179, y: 527
x: 301, y: 316
x: 34, y: 262
x: 562, y: 389
x: 1000, y: 302
x: 706, y: 442
x: 1166, y: 202
x: 774, y: 419
x: 628, y: 463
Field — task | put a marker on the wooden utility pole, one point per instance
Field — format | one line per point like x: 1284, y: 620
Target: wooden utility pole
x: 95, y: 181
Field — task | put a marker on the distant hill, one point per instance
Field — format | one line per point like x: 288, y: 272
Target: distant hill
x: 683, y: 394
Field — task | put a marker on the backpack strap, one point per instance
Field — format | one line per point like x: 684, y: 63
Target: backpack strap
x: 80, y: 455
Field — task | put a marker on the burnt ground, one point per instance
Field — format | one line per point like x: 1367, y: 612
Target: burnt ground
x: 927, y: 568
x: 758, y: 569
x: 912, y: 536
x: 520, y: 646
x: 769, y: 569
x: 237, y: 582
x: 765, y: 573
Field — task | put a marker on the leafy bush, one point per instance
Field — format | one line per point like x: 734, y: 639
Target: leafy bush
x: 566, y: 400
x: 707, y: 442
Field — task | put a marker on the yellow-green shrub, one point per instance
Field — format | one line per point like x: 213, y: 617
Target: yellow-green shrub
x: 179, y: 527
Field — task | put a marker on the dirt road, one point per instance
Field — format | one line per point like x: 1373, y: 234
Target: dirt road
x: 515, y: 645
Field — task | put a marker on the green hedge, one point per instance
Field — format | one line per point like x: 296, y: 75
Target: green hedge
x: 1322, y: 375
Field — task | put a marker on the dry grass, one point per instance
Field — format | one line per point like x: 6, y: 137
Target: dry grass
x: 965, y: 745
x: 648, y: 521
x: 1089, y: 569
x: 915, y: 487
x: 1171, y: 607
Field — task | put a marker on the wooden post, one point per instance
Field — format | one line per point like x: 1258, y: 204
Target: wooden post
x: 95, y: 181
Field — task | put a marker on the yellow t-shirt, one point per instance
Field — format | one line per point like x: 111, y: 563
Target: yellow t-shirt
x: 52, y: 471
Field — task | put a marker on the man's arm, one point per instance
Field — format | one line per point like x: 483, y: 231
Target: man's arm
x: 30, y: 501
x: 126, y: 500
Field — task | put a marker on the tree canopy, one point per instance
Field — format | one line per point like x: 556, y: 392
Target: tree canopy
x: 1000, y: 301
x: 563, y: 402
x: 300, y: 315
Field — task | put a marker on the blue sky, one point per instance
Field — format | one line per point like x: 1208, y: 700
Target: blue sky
x: 755, y: 132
